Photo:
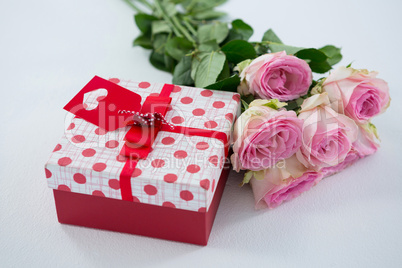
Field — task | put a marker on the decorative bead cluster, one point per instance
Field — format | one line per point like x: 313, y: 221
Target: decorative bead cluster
x: 149, y: 119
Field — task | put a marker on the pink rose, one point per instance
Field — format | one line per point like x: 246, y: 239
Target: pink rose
x: 276, y: 76
x: 327, y: 136
x: 279, y: 184
x: 263, y: 136
x: 349, y: 160
x: 366, y: 143
x: 357, y: 93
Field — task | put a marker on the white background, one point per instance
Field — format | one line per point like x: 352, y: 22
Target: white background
x: 50, y: 49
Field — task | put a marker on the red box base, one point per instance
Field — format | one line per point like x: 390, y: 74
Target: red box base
x: 137, y: 218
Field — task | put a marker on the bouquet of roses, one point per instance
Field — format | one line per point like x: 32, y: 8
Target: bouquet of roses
x: 293, y: 131
x: 287, y: 151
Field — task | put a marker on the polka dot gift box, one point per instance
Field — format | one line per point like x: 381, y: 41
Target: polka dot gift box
x: 121, y: 166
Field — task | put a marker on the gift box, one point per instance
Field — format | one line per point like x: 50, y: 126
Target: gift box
x: 143, y: 158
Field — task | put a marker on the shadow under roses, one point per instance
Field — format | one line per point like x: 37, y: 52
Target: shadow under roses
x: 296, y: 219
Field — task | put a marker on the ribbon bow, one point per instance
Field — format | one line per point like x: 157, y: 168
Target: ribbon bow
x: 122, y: 108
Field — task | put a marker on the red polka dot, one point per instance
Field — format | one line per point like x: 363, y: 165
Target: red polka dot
x: 236, y: 98
x: 229, y: 117
x: 198, y: 112
x: 218, y: 104
x: 99, y: 167
x: 170, y: 178
x: 202, y: 209
x: 168, y: 204
x: 206, y: 93
x: 88, y: 152
x: 121, y: 158
x: 100, y: 131
x: 114, y: 184
x: 158, y: 163
x: 150, y: 189
x: 78, y: 139
x: 112, y: 144
x: 210, y: 124
x: 144, y: 85
x: 186, y: 195
x: 136, y: 200
x: 79, y: 178
x: 202, y: 145
x: 48, y: 173
x: 154, y: 95
x: 137, y: 172
x: 114, y: 80
x: 98, y: 193
x: 168, y: 140
x: 193, y: 168
x: 64, y: 161
x: 63, y: 187
x: 214, y: 159
x: 177, y: 120
x: 57, y: 148
x: 186, y: 100
x: 213, y: 185
x: 205, y: 184
x: 111, y: 107
x: 71, y: 126
x: 180, y: 154
x: 176, y: 89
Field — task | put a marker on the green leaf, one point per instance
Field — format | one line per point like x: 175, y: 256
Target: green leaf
x: 213, y: 31
x: 209, y: 15
x: 178, y: 47
x: 182, y: 72
x: 143, y: 41
x: 228, y: 84
x: 246, y: 100
x: 245, y: 104
x: 169, y: 8
x: 271, y: 37
x: 320, y: 67
x: 280, y: 47
x: 159, y: 43
x: 144, y: 22
x: 209, y: 46
x: 333, y: 53
x: 194, y: 65
x: 239, y: 50
x: 261, y: 49
x: 315, y: 58
x: 311, y: 54
x: 196, y: 62
x: 242, y: 28
x: 209, y: 68
x: 160, y: 26
x: 225, y: 73
x: 158, y: 61
x: 170, y: 63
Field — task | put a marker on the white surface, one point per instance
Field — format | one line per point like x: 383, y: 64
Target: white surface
x: 50, y: 49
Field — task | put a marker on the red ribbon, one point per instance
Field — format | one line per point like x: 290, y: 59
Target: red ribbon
x: 111, y: 113
x: 139, y: 139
